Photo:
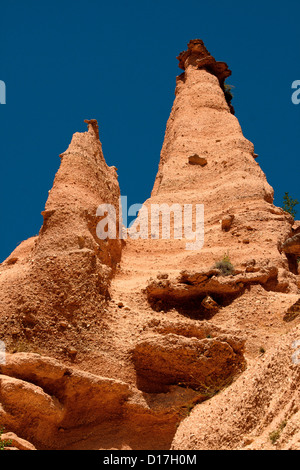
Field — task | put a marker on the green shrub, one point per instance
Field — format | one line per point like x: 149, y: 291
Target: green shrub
x: 275, y: 435
x: 225, y: 266
x: 228, y: 92
x: 3, y: 444
x: 289, y: 204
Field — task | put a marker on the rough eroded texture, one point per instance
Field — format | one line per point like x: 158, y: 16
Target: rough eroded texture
x: 205, y: 365
x: 64, y: 272
x: 129, y: 346
x: 259, y: 411
x: 239, y: 216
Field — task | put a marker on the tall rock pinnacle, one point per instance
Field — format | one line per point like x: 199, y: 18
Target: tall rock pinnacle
x: 82, y: 183
x: 206, y: 159
x: 64, y: 273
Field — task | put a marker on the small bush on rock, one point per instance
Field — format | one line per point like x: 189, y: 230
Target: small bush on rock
x: 228, y: 92
x: 3, y: 444
x: 225, y: 266
x: 289, y: 204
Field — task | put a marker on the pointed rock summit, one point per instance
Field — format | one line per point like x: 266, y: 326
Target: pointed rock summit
x: 198, y: 56
x: 82, y: 183
x: 62, y: 276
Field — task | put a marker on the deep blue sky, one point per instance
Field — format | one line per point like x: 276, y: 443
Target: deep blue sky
x: 66, y: 61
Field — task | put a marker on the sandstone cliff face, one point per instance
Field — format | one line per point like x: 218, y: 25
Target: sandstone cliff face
x: 260, y: 411
x: 133, y: 336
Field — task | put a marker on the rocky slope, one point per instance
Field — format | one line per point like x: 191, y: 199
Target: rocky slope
x: 142, y: 343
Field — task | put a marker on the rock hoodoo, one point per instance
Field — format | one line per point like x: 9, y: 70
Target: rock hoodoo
x: 143, y: 343
x: 206, y: 159
x: 64, y: 272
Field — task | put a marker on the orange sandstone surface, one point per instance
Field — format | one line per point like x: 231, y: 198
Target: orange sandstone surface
x: 140, y: 343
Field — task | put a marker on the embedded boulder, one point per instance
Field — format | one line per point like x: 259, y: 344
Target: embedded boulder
x: 292, y: 245
x: 292, y: 312
x: 39, y: 395
x: 197, y: 160
x: 206, y: 364
x: 16, y: 442
x: 227, y: 221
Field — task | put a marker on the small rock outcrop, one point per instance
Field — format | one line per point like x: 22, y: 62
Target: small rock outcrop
x: 200, y: 293
x: 205, y: 364
x: 292, y: 245
x: 293, y: 312
x: 198, y: 56
x: 15, y: 442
